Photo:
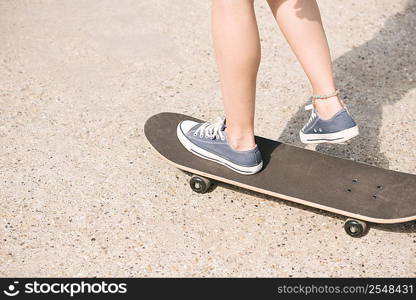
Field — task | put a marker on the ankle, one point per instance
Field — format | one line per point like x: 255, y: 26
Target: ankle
x: 240, y: 141
x: 327, y: 108
x: 242, y: 145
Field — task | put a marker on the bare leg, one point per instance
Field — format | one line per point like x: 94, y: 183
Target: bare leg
x: 237, y: 48
x: 301, y: 24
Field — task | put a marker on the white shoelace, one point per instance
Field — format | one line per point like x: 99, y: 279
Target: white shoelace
x: 211, y: 130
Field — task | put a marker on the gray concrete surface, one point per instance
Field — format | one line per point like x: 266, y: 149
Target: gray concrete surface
x: 82, y: 193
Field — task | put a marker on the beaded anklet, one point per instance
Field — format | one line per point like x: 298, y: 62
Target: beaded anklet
x: 323, y: 97
x: 315, y: 97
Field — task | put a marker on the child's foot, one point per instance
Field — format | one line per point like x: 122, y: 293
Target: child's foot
x: 209, y: 141
x: 339, y: 128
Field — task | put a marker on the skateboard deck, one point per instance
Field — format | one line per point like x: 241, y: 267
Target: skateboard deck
x: 333, y: 184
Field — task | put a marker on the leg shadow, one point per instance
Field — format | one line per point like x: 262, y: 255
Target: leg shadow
x: 377, y: 73
x: 266, y: 148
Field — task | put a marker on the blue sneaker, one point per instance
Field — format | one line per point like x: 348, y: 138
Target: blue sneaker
x: 209, y: 141
x: 340, y: 128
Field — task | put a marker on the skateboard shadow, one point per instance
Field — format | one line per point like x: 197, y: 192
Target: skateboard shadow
x: 370, y: 76
x: 407, y: 227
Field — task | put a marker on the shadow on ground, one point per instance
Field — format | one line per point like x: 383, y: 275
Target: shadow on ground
x: 377, y: 73
x: 408, y: 227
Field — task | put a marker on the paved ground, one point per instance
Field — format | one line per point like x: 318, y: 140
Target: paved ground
x: 82, y: 193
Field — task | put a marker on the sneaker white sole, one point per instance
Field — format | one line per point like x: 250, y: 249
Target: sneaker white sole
x: 191, y: 147
x: 332, y: 138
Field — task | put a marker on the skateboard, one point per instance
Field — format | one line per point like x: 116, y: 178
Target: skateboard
x: 360, y: 192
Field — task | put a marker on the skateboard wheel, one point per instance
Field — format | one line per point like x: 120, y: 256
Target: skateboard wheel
x: 199, y: 184
x: 355, y: 228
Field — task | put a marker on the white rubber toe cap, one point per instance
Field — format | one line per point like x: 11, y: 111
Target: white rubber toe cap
x: 187, y: 125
